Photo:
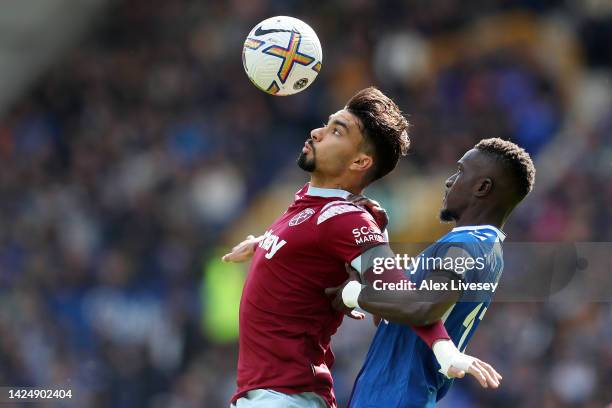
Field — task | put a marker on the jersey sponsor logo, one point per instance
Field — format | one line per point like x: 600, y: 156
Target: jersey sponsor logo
x: 336, y: 210
x: 301, y: 217
x: 271, y: 244
x: 367, y: 233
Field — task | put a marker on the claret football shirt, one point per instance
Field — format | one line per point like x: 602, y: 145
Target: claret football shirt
x: 286, y: 320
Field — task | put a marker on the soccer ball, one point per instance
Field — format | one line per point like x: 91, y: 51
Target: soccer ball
x: 282, y: 55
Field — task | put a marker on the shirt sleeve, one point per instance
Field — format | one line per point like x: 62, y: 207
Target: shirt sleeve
x: 347, y: 233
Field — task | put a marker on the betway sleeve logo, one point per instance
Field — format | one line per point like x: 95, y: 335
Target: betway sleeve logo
x: 271, y: 244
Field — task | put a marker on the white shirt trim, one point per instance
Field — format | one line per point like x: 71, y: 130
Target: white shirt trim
x: 327, y: 192
x: 356, y: 264
x: 500, y: 233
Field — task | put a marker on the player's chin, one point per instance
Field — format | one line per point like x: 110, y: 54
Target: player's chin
x: 305, y: 163
x: 447, y: 215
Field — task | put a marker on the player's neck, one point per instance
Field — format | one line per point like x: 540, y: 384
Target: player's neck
x: 482, y: 216
x: 322, y: 182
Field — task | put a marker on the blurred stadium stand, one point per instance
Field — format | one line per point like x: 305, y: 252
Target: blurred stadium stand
x: 136, y: 157
x: 30, y: 40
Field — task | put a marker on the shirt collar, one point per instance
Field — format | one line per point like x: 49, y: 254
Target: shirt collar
x: 326, y: 192
x: 500, y: 234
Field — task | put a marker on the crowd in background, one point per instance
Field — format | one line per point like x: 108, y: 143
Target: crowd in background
x: 128, y: 159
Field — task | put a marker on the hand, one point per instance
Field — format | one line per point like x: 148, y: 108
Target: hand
x: 373, y: 207
x: 454, y: 364
x: 483, y: 372
x: 336, y: 292
x: 243, y: 251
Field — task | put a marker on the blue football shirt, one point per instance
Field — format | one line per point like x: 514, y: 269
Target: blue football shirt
x: 400, y: 370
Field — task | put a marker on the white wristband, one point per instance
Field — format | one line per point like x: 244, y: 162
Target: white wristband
x: 448, y: 355
x: 350, y: 294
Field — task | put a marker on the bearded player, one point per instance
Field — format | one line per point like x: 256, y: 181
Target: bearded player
x: 491, y: 179
x: 286, y: 319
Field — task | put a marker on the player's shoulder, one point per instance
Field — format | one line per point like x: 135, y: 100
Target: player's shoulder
x: 332, y: 207
x: 477, y: 234
x: 475, y: 240
x: 341, y: 210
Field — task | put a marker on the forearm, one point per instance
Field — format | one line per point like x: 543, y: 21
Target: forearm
x: 410, y: 307
x: 415, y: 308
x: 430, y: 334
x: 405, y: 303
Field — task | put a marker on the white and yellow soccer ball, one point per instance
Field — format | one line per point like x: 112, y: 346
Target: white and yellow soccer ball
x: 282, y: 55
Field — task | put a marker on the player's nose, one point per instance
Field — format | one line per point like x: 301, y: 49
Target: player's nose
x: 316, y: 134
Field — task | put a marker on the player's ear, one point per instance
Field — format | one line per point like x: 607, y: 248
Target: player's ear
x: 483, y: 187
x: 362, y: 162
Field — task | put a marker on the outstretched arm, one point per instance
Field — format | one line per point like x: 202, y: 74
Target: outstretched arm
x: 388, y: 292
x: 421, y: 310
x: 453, y: 363
x: 411, y: 307
x: 244, y: 250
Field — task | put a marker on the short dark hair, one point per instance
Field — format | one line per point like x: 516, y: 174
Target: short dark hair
x: 384, y: 127
x: 515, y: 159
